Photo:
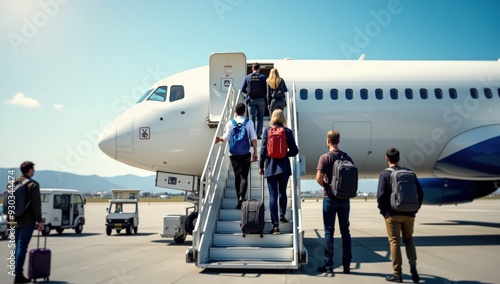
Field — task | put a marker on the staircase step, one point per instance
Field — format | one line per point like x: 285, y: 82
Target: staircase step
x: 230, y: 203
x: 253, y: 240
x: 251, y: 254
x: 230, y: 192
x: 232, y: 227
x: 235, y: 215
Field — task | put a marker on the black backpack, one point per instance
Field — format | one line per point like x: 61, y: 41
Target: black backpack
x: 404, y: 196
x: 14, y: 199
x: 344, y: 183
x: 254, y: 86
x: 278, y: 93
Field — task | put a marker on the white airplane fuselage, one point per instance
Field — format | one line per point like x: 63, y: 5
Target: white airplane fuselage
x: 441, y: 115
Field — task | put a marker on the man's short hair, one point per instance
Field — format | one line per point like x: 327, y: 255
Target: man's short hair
x: 393, y: 155
x: 255, y: 66
x: 240, y: 109
x: 333, y: 136
x: 26, y: 167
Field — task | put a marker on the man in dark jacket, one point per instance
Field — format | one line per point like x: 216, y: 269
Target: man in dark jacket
x: 27, y: 222
x: 256, y: 98
x: 397, y: 222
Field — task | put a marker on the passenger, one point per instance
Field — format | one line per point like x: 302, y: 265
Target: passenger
x: 241, y: 163
x: 254, y: 87
x: 396, y: 222
x: 275, y: 98
x: 26, y: 223
x: 277, y: 170
x: 333, y: 206
x: 118, y: 208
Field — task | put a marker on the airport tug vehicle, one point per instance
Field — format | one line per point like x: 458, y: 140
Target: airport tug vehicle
x: 123, y: 211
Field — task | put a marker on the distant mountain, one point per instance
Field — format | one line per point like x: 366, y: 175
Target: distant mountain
x: 92, y: 183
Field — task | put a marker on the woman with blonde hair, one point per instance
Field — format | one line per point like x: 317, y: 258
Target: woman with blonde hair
x: 276, y: 89
x: 277, y: 166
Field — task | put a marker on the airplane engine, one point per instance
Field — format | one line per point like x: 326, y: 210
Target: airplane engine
x: 441, y: 191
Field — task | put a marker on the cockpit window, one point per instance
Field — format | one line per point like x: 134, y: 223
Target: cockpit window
x: 144, y: 96
x: 160, y: 94
x: 176, y: 93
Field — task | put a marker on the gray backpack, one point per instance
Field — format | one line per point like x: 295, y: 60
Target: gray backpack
x: 404, y: 196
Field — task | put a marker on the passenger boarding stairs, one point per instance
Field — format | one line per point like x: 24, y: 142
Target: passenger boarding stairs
x: 218, y: 241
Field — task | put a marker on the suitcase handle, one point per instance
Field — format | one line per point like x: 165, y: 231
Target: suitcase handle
x: 38, y: 241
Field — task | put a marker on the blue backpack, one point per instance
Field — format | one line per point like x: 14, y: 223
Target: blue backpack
x: 238, y: 142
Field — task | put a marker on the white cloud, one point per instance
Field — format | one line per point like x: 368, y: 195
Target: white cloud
x: 20, y: 99
x: 58, y: 106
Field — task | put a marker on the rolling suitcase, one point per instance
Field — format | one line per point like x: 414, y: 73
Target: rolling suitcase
x: 252, y: 215
x: 39, y: 261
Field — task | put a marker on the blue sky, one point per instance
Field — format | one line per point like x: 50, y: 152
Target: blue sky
x: 68, y: 67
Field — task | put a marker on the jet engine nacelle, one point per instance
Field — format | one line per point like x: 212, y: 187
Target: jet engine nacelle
x: 440, y: 191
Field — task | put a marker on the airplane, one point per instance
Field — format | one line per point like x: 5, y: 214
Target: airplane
x: 441, y: 115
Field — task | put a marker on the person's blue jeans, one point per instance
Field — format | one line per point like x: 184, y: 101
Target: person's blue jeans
x: 257, y: 107
x: 23, y: 238
x: 277, y: 193
x: 331, y: 209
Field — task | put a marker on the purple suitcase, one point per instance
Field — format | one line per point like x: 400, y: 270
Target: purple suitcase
x: 39, y: 261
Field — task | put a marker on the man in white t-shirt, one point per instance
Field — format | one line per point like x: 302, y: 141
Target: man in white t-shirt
x: 240, y: 158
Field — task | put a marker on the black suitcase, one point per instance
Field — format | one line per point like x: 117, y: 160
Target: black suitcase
x: 39, y: 261
x: 252, y: 215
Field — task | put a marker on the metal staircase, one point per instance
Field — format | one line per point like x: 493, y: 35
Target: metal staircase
x: 217, y: 239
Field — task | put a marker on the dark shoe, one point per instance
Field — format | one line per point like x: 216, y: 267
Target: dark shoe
x: 259, y: 137
x: 275, y: 231
x: 283, y: 219
x: 325, y: 269
x: 347, y: 270
x: 21, y: 279
x: 394, y: 278
x: 414, y: 274
x: 240, y: 201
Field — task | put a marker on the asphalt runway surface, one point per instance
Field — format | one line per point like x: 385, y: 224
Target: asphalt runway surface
x: 455, y: 244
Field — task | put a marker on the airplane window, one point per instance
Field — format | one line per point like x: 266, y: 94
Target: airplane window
x: 394, y: 94
x: 144, y: 96
x: 176, y: 93
x: 160, y: 94
x: 303, y: 94
x: 364, y: 94
x: 379, y: 94
x: 487, y: 93
x: 453, y: 93
x: 498, y: 92
x: 438, y: 93
x: 409, y: 94
x: 319, y: 94
x: 349, y: 94
x: 473, y: 93
x: 334, y: 94
x: 423, y: 94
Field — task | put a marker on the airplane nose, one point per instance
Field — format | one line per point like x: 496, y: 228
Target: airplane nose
x: 107, y: 141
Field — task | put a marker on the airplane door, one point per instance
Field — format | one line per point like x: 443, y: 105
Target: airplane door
x: 225, y: 69
x: 355, y: 139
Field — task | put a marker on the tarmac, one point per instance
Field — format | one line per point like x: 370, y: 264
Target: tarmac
x: 455, y: 244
